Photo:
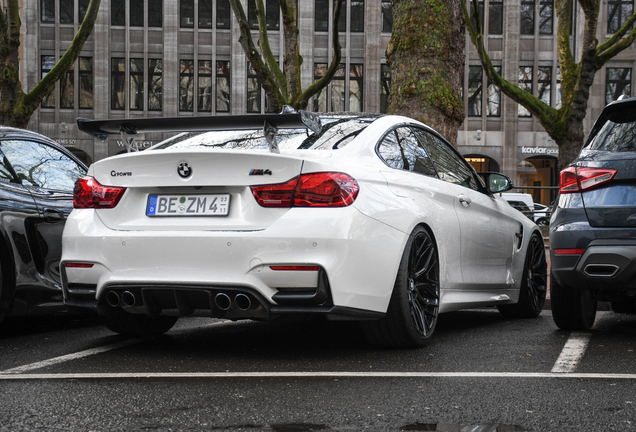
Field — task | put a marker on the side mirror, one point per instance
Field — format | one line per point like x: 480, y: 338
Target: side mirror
x: 496, y: 182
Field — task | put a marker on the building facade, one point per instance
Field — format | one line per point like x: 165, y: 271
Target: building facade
x: 152, y: 58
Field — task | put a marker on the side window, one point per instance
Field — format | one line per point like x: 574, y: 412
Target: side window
x: 401, y: 150
x: 450, y: 166
x: 43, y: 166
x: 6, y: 173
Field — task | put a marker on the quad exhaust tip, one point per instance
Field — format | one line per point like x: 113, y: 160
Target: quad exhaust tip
x: 128, y: 299
x: 242, y: 302
x: 222, y: 301
x: 112, y: 298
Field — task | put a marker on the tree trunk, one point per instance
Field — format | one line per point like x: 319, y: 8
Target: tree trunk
x: 426, y: 56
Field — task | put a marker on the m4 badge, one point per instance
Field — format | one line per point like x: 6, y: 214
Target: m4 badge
x: 260, y: 172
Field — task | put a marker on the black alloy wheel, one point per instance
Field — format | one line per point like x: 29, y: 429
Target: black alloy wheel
x: 414, y: 307
x: 533, y: 284
x: 543, y: 222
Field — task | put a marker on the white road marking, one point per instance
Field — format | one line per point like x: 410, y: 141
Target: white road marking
x: 572, y: 353
x: 159, y: 375
x: 93, y: 351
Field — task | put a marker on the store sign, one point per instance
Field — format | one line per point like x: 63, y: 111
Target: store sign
x: 66, y: 142
x: 138, y: 144
x: 540, y: 150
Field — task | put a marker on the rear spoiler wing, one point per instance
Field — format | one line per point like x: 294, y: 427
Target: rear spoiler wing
x: 127, y: 128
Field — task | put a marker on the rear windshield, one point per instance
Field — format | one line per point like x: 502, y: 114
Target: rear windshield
x: 335, y: 133
x: 618, y: 134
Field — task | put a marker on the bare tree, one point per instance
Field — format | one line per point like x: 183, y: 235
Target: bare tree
x: 426, y: 56
x: 16, y: 106
x: 564, y: 125
x: 283, y: 88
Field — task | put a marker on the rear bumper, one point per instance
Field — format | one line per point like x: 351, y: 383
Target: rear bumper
x: 606, y: 267
x: 184, y: 271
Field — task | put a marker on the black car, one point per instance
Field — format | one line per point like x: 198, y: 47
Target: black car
x: 593, y: 227
x: 37, y: 177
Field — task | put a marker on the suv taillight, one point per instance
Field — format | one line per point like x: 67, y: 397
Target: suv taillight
x: 579, y: 179
x: 324, y: 189
x: 88, y: 193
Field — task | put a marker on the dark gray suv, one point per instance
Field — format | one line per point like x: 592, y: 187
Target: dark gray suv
x: 593, y: 228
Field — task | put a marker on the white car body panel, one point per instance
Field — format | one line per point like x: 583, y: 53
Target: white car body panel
x: 359, y: 246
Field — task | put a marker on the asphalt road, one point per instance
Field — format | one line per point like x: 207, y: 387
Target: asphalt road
x: 480, y: 373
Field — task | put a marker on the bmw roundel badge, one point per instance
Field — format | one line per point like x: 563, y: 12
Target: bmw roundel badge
x: 184, y: 170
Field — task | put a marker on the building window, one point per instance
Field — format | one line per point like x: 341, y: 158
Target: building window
x: 136, y: 84
x: 222, y: 86
x: 47, y: 63
x: 204, y: 86
x: 205, y: 14
x: 475, y: 78
x: 186, y: 13
x: 320, y: 98
x: 618, y: 12
x: 136, y: 13
x: 272, y: 14
x: 495, y: 17
x: 357, y: 16
x: 155, y: 84
x: 186, y: 85
x: 525, y: 83
x: 527, y: 17
x: 618, y: 83
x: 321, y: 15
x: 67, y: 89
x: 387, y: 16
x: 67, y: 11
x: 85, y: 83
x: 338, y: 90
x: 385, y: 87
x: 544, y: 81
x: 493, y: 104
x: 118, y: 13
x: 342, y: 19
x: 356, y: 93
x: 117, y: 84
x: 83, y: 7
x: 47, y: 10
x: 546, y: 12
x: 253, y: 91
x: 155, y: 13
x: 223, y: 14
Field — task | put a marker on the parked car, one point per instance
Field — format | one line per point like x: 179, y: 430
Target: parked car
x: 350, y: 216
x: 520, y: 201
x: 593, y: 228
x: 541, y: 214
x: 37, y: 178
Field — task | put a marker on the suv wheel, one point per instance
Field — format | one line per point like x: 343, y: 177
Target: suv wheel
x: 572, y: 308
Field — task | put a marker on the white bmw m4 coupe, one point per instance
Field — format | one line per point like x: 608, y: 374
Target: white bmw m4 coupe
x: 358, y: 216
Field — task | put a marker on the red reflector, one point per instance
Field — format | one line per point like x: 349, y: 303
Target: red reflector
x: 78, y: 265
x: 579, y: 179
x: 323, y: 189
x: 295, y: 268
x: 88, y: 193
x: 568, y: 251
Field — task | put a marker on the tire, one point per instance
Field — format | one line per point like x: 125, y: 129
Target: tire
x: 627, y: 306
x: 533, y: 284
x: 572, y: 308
x: 137, y: 325
x: 412, y: 314
x: 543, y: 222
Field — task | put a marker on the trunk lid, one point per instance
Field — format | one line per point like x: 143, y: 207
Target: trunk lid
x: 192, y: 175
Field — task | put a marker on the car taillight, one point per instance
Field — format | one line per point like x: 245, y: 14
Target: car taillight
x: 579, y: 179
x: 324, y: 189
x: 88, y: 193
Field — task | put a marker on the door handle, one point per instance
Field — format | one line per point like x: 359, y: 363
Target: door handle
x: 464, y: 200
x: 51, y: 215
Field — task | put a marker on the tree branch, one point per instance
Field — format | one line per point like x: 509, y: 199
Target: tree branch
x: 293, y: 60
x: 268, y: 55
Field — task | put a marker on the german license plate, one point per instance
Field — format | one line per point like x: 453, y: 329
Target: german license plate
x: 188, y: 205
